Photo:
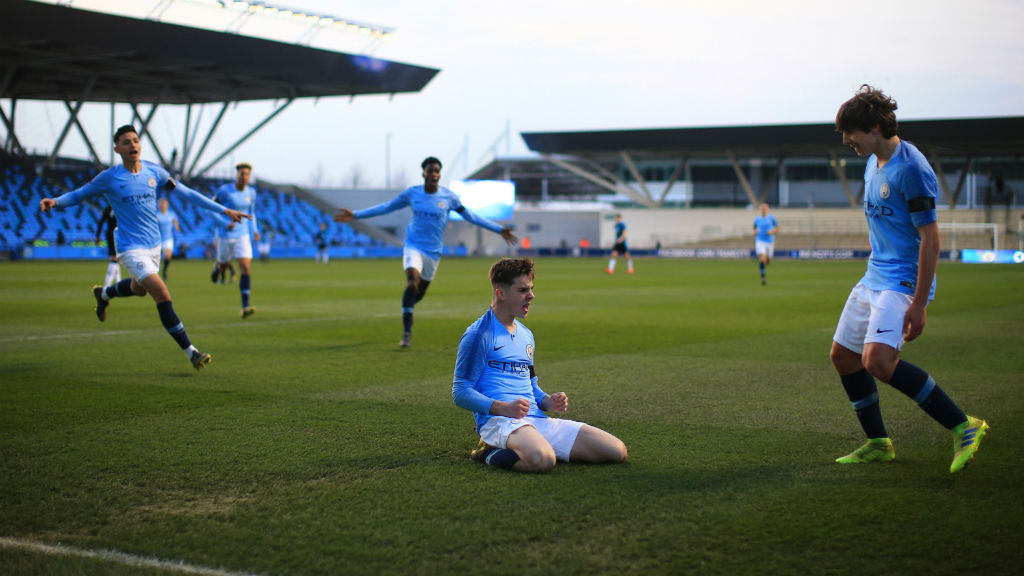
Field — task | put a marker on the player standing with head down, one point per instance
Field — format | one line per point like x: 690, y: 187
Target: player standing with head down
x: 765, y: 229
x: 887, y: 307
x: 234, y: 240
x: 495, y: 379
x: 131, y: 189
x: 424, y: 237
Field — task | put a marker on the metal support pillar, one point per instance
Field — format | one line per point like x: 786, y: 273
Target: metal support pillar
x: 88, y: 143
x: 839, y: 168
x: 744, y: 183
x: 239, y: 142
x: 74, y: 117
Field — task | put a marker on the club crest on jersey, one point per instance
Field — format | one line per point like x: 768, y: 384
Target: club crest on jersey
x: 441, y: 204
x: 151, y: 182
x: 883, y: 190
x: 529, y: 352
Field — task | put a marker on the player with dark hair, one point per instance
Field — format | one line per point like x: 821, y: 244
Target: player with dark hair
x: 424, y: 237
x: 765, y: 229
x: 234, y: 240
x: 620, y: 247
x: 131, y: 188
x: 109, y: 221
x: 887, y: 307
x: 495, y: 379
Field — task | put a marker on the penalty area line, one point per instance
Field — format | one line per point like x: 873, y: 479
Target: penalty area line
x: 117, y: 557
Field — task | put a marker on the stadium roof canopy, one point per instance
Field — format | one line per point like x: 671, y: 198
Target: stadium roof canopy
x: 52, y: 52
x: 593, y: 162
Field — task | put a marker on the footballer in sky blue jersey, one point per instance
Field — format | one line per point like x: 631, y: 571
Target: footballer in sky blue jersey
x: 131, y: 189
x: 765, y: 229
x: 424, y: 236
x: 234, y: 241
x: 495, y: 379
x: 168, y: 222
x: 887, y: 307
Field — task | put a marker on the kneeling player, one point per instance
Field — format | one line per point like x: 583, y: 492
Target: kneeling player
x: 495, y: 379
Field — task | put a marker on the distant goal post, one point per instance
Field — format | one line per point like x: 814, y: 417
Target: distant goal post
x: 968, y: 236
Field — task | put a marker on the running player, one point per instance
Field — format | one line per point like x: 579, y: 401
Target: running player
x: 424, y: 236
x: 234, y: 240
x: 887, y: 307
x: 168, y: 222
x: 765, y: 229
x: 131, y: 188
x: 495, y: 379
x: 620, y: 247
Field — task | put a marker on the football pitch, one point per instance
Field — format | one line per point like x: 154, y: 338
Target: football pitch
x: 312, y: 444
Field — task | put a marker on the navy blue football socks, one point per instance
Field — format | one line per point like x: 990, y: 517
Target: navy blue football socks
x: 918, y: 385
x: 121, y: 289
x: 502, y: 458
x: 173, y: 325
x: 863, y: 394
x: 243, y: 287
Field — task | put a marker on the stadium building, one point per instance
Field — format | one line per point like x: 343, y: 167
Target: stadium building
x: 680, y: 190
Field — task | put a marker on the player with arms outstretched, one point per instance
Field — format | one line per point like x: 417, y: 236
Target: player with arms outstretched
x: 234, y: 240
x: 131, y: 189
x: 887, y: 307
x: 424, y: 237
x: 495, y: 379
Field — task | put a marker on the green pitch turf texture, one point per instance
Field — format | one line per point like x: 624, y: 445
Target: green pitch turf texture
x: 313, y: 445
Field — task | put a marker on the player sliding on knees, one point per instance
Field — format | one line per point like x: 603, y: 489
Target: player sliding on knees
x: 131, y: 189
x: 495, y: 379
x: 424, y: 237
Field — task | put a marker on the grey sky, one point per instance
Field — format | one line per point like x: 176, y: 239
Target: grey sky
x: 595, y: 64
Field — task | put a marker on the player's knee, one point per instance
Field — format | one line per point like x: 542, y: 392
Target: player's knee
x: 879, y: 366
x: 540, y: 460
x: 618, y: 452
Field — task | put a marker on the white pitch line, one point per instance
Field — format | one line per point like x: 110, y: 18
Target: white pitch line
x: 117, y: 557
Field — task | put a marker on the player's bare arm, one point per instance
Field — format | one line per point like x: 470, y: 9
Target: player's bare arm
x: 928, y: 258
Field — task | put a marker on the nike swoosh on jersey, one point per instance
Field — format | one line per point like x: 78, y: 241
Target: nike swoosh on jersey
x: 496, y: 348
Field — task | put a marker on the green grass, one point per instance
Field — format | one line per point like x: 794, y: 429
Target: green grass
x: 313, y: 445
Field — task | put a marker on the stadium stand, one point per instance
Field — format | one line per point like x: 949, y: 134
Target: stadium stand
x: 293, y: 220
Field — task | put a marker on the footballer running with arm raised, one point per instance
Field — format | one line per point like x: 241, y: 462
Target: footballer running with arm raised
x: 495, y: 379
x: 131, y: 189
x: 887, y: 306
x: 424, y: 237
x: 234, y: 240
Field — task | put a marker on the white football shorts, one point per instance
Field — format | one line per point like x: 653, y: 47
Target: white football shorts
x: 872, y: 316
x: 231, y: 248
x: 762, y: 247
x: 141, y: 262
x: 413, y: 258
x: 167, y: 244
x: 560, y: 433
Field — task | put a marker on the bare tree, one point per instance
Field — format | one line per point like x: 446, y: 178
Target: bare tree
x: 316, y: 177
x: 357, y: 176
x: 400, y: 178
